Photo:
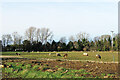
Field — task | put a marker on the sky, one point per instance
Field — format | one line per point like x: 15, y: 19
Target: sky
x: 63, y: 17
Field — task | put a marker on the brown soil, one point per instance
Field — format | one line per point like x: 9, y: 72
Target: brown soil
x: 96, y: 69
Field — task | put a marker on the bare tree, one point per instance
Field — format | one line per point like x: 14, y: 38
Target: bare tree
x: 14, y: 34
x: 72, y: 38
x: 6, y: 39
x: 104, y: 37
x: 9, y: 38
x: 30, y: 33
x: 45, y: 35
x: 82, y: 35
x: 63, y: 39
x: 38, y: 35
x: 96, y: 38
x: 20, y: 40
x: 16, y: 38
x: 0, y: 45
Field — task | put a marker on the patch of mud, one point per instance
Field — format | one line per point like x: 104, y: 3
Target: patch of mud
x: 96, y: 69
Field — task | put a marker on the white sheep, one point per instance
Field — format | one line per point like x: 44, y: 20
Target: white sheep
x: 49, y: 54
x: 98, y: 56
x: 85, y: 54
x: 37, y: 51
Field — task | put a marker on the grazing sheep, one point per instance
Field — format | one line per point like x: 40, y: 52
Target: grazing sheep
x: 49, y: 54
x: 65, y: 55
x: 17, y: 53
x: 1, y: 66
x: 57, y: 54
x: 85, y: 54
x: 98, y: 56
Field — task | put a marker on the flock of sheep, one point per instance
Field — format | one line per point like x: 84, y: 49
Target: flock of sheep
x: 58, y: 54
x: 65, y: 55
x: 97, y: 55
x: 84, y: 54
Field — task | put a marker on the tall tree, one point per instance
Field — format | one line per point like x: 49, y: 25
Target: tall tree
x: 103, y: 37
x: 76, y: 45
x: 80, y: 45
x: 82, y: 35
x: 30, y: 34
x: 6, y: 39
x: 45, y: 35
x: 54, y: 46
x: 63, y: 39
x: 0, y: 45
x: 27, y: 45
x: 17, y: 39
x: 38, y: 35
x: 72, y: 38
x: 9, y: 39
x: 70, y: 46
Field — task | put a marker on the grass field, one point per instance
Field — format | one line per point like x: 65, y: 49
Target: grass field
x: 35, y: 65
x: 106, y: 56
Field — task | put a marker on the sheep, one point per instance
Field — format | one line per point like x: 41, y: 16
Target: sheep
x: 65, y: 55
x: 17, y: 53
x: 85, y: 54
x: 1, y: 66
x: 98, y: 56
x: 49, y: 54
x: 37, y: 51
x: 57, y: 54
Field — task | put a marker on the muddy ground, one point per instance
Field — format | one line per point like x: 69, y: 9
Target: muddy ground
x: 96, y: 69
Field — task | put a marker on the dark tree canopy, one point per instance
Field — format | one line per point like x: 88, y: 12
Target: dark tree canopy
x: 42, y: 40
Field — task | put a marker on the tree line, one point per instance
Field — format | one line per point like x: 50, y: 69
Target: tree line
x: 41, y: 39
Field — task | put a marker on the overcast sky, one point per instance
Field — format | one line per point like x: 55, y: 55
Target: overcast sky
x: 63, y: 17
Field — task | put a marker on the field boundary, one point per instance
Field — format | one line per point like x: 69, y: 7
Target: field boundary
x: 77, y: 60
x: 10, y: 57
x: 59, y: 59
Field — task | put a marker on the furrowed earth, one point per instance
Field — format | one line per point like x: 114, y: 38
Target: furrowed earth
x: 57, y: 68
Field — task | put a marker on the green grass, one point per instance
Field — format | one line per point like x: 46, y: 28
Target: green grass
x: 28, y: 70
x: 22, y: 71
x: 17, y: 71
x: 106, y: 56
